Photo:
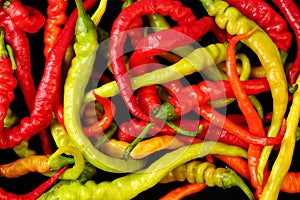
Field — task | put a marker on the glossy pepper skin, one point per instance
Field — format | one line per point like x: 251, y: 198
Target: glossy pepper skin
x: 78, y: 76
x: 267, y: 18
x: 282, y: 163
x: 26, y: 18
x: 126, y: 17
x: 127, y: 187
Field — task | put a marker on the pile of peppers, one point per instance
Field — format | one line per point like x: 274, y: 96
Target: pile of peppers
x: 155, y: 99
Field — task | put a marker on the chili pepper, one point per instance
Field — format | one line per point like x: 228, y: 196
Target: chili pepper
x: 122, y: 188
x: 253, y: 120
x: 167, y: 40
x: 26, y: 18
x: 78, y: 76
x: 116, y: 148
x: 36, y: 192
x: 256, y: 71
x: 34, y: 163
x: 284, y: 157
x: 204, y: 172
x: 267, y: 18
x: 184, y: 191
x: 8, y: 81
x: 59, y: 134
x: 125, y: 18
x: 56, y: 17
x: 238, y: 164
x: 38, y: 120
x: 292, y: 14
x: 267, y: 53
x: 96, y: 17
x: 106, y: 119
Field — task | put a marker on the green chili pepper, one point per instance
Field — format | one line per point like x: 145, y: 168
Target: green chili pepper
x: 23, y: 150
x: 127, y: 187
x: 234, y: 22
x: 196, y: 61
x: 78, y: 76
x: 10, y: 119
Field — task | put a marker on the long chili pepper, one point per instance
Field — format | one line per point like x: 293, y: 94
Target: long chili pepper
x: 116, y: 148
x: 34, y: 163
x: 204, y: 172
x: 37, y: 192
x: 56, y: 17
x: 38, y: 120
x: 78, y: 76
x: 8, y: 81
x: 128, y: 131
x: 267, y: 18
x: 106, y: 118
x: 26, y: 18
x: 253, y: 119
x: 268, y: 54
x: 284, y: 157
x: 183, y: 191
x: 292, y: 15
x: 183, y: 35
x: 125, y: 18
x: 122, y: 188
x: 23, y: 150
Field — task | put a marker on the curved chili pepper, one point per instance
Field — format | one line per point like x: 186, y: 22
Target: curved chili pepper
x: 204, y: 172
x: 8, y: 81
x: 56, y: 17
x: 78, y: 76
x: 267, y: 18
x: 122, y: 23
x: 184, y: 191
x: 26, y: 18
x: 106, y: 118
x: 23, y: 150
x: 38, y: 120
x: 122, y: 188
x: 36, y: 192
x: 253, y: 119
x: 282, y: 163
x: 292, y: 15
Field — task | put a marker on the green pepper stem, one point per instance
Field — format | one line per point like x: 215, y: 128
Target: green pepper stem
x: 131, y: 146
x: 183, y: 131
x: 61, y: 161
x: 107, y: 136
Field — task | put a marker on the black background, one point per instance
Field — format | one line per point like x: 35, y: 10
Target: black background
x: 28, y: 182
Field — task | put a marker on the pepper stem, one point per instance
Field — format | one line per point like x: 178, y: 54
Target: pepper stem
x: 131, y: 146
x: 3, y: 51
x: 107, y: 136
x: 183, y: 131
x: 231, y: 178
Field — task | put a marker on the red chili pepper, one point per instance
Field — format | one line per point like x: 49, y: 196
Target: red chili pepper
x: 26, y: 18
x: 56, y: 18
x: 36, y: 192
x: 184, y: 191
x: 7, y: 80
x: 267, y: 18
x: 41, y: 114
x: 106, y: 119
x: 173, y: 8
x: 253, y: 120
x: 292, y: 15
